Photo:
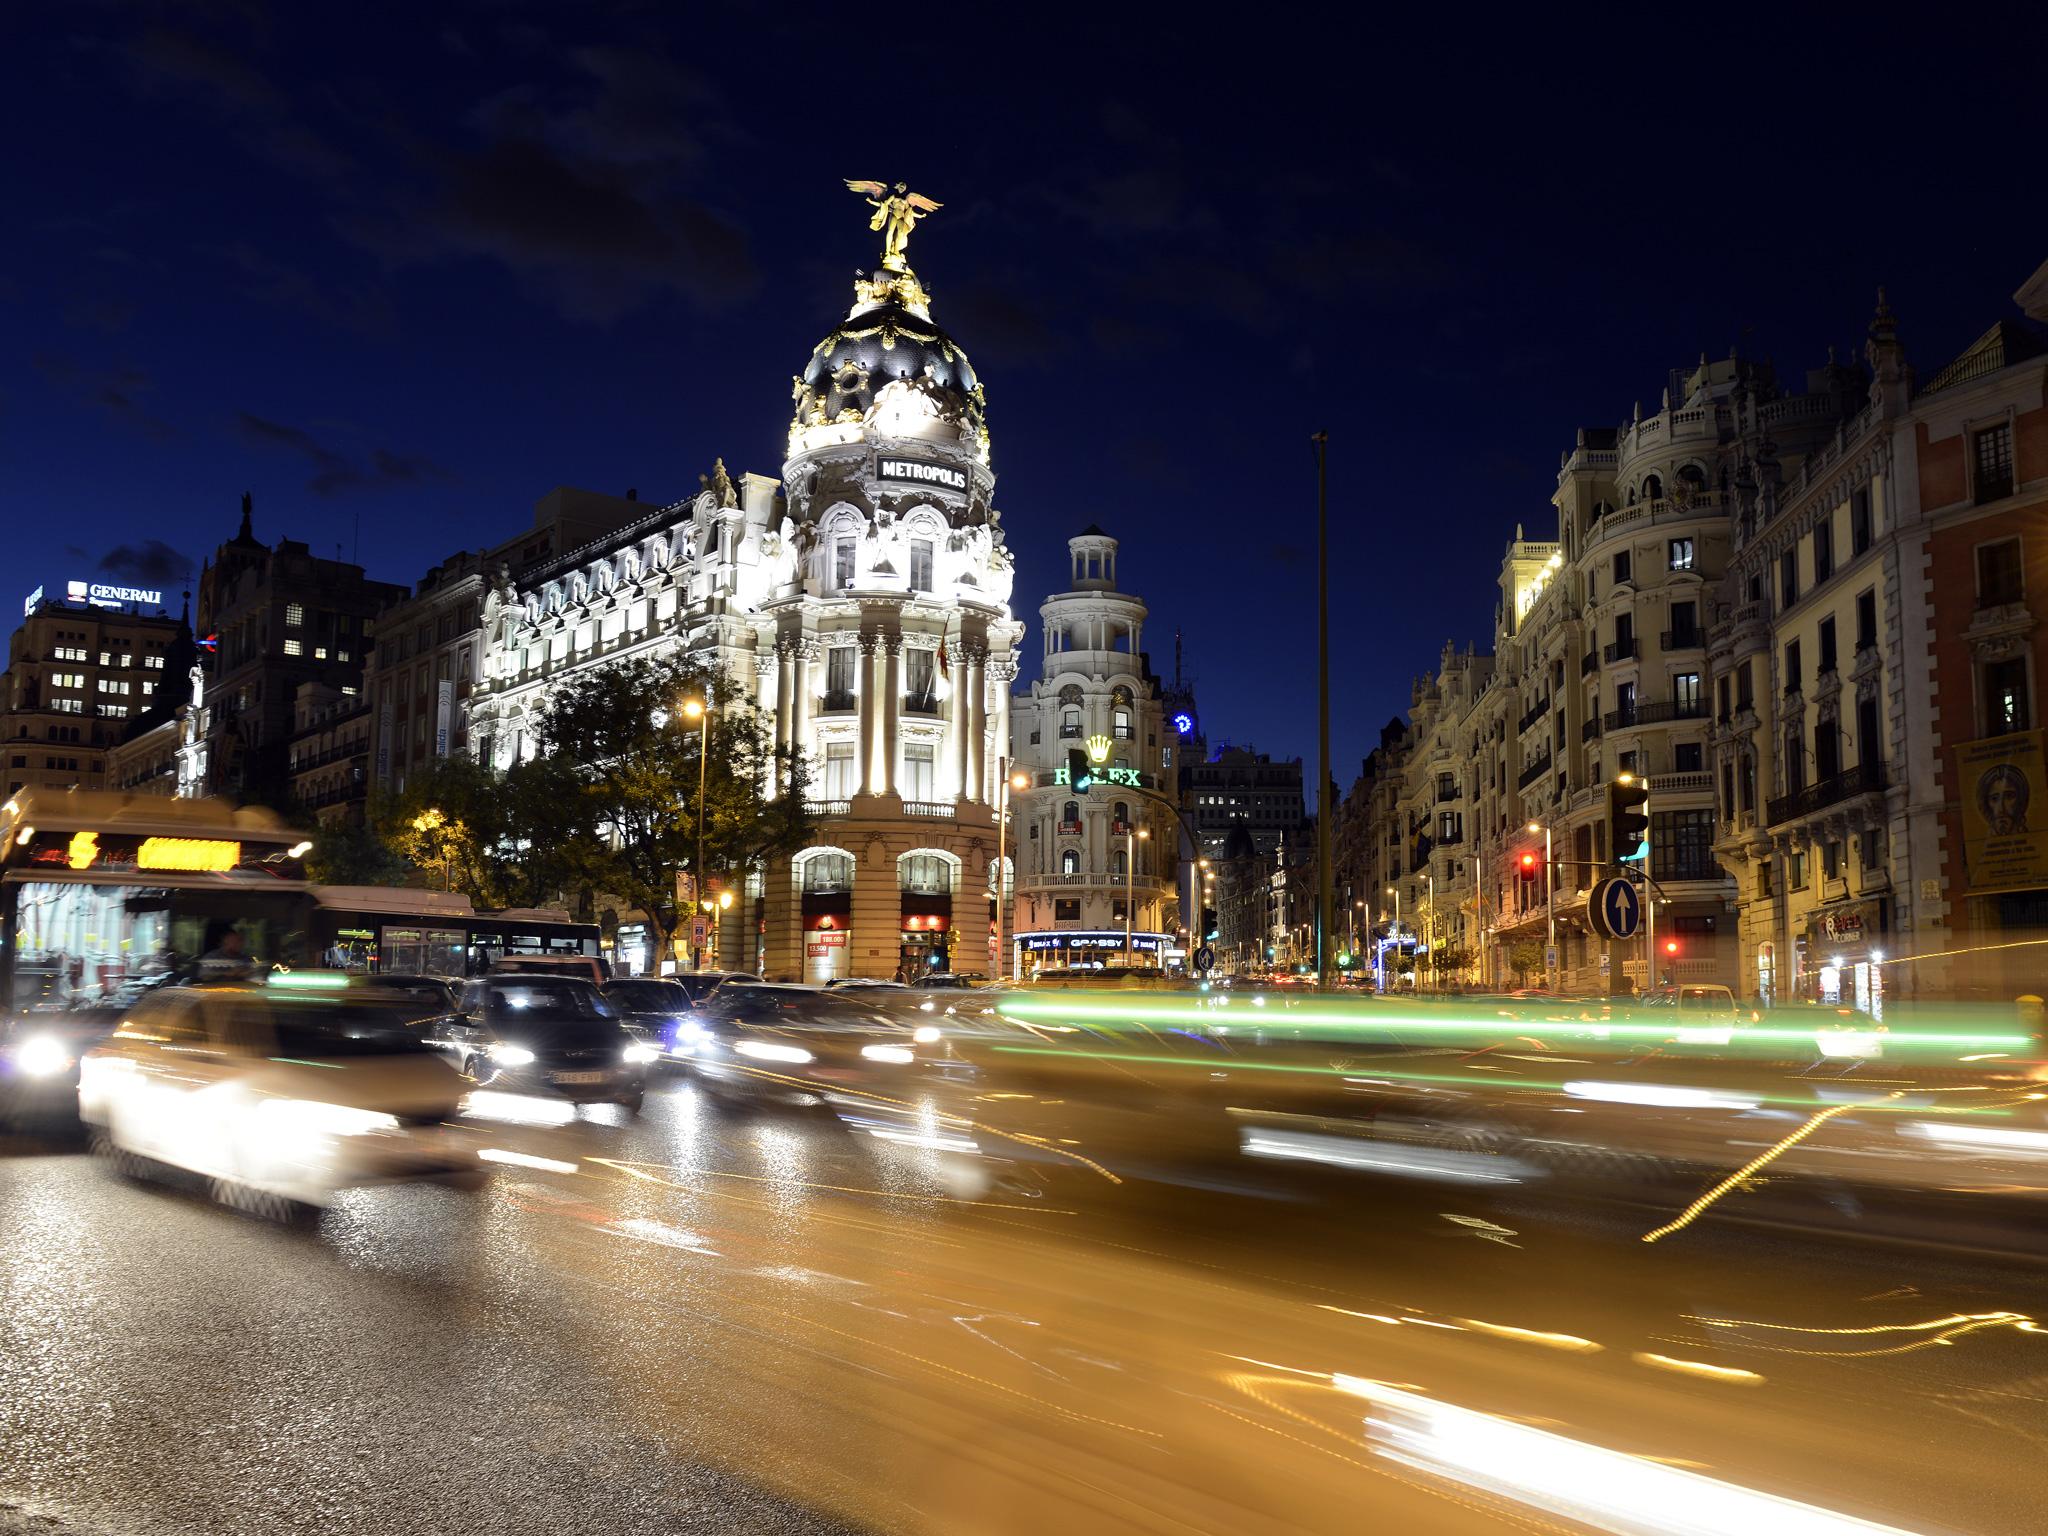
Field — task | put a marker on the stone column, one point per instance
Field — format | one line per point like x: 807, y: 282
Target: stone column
x: 1002, y: 671
x: 870, y: 690
x: 785, y: 689
x: 891, y: 704
x: 800, y: 704
x: 977, y: 724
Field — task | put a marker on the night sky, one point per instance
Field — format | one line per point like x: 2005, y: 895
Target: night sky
x: 399, y: 274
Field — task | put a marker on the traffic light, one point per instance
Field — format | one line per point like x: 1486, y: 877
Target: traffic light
x: 1671, y: 946
x: 1209, y: 925
x: 1628, y: 818
x: 1080, y: 772
x: 1529, y: 866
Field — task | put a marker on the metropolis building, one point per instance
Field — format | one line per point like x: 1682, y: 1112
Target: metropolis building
x: 860, y: 604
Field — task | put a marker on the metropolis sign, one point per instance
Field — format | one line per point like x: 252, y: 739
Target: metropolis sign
x: 105, y: 595
x: 919, y: 472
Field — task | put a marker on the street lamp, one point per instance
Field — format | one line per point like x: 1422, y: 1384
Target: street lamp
x: 1430, y: 878
x: 693, y: 709
x: 1131, y: 836
x: 1549, y: 904
x: 1394, y: 891
x: 1011, y: 781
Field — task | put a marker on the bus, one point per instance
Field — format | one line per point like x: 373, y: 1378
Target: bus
x: 104, y: 895
x: 399, y: 932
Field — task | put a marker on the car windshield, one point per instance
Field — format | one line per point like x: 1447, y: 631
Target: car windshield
x: 699, y: 987
x: 1706, y: 1000
x: 539, y: 998
x: 647, y: 996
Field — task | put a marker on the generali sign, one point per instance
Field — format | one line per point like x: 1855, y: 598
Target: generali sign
x: 100, y: 592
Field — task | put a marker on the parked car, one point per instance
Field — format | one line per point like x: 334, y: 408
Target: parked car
x: 553, y: 1035
x: 276, y: 1095
x: 431, y: 995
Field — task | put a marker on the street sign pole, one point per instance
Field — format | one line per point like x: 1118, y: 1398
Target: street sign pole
x: 1649, y: 907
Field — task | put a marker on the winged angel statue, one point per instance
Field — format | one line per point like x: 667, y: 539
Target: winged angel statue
x: 896, y: 212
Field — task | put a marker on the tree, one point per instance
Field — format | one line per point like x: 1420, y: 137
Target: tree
x: 621, y: 757
x: 353, y: 853
x: 503, y: 838
x: 1525, y: 956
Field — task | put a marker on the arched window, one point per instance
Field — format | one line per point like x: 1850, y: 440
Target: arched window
x: 924, y: 874
x: 1693, y: 476
x: 1070, y: 724
x: 1653, y: 489
x: 1116, y: 863
x: 1070, y: 813
x: 1070, y: 863
x: 1122, y: 813
x: 828, y: 872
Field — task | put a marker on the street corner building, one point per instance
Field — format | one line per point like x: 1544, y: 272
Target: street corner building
x: 861, y: 604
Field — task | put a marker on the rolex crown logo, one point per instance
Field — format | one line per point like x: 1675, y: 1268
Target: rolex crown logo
x: 1098, y: 749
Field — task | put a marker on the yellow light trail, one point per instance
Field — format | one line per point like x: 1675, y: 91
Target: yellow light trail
x: 1938, y: 1331
x: 1771, y: 1154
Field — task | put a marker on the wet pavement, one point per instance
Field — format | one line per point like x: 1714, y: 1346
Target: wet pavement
x: 726, y: 1319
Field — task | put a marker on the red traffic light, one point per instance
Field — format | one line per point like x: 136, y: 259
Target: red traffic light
x: 1671, y: 946
x: 1528, y: 861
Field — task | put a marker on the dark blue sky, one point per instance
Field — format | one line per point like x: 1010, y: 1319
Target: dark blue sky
x: 399, y: 271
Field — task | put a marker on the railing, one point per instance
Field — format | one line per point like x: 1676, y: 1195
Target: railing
x: 938, y: 809
x: 1070, y: 829
x: 1446, y: 792
x: 1863, y: 779
x: 1450, y: 841
x: 1681, y: 783
x: 1591, y: 729
x: 1589, y: 663
x: 1532, y: 773
x: 1683, y: 639
x: 1534, y: 713
x: 827, y: 807
x: 1655, y: 713
x: 839, y: 700
x: 1619, y: 650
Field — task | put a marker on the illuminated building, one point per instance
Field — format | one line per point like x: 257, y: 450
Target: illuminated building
x: 1096, y: 691
x: 861, y: 605
x: 329, y: 753
x: 279, y: 616
x: 80, y: 673
x: 423, y: 661
x: 1876, y: 706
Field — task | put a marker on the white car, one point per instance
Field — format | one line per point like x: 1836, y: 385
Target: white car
x: 277, y: 1095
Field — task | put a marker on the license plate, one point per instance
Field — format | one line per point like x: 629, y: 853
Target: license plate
x: 579, y: 1077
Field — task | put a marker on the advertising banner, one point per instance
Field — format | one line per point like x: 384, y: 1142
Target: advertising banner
x: 1996, y: 780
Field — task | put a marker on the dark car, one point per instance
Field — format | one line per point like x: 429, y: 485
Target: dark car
x: 652, y: 1008
x: 39, y: 1056
x: 778, y: 1040
x: 545, y: 1034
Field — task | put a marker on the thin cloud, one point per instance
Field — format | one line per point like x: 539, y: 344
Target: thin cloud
x: 152, y: 561
x: 117, y: 392
x: 336, y: 472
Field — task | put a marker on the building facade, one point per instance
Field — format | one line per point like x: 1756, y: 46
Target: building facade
x: 276, y: 618
x: 329, y: 754
x: 1242, y: 784
x: 1090, y: 864
x: 79, y: 674
x: 861, y: 604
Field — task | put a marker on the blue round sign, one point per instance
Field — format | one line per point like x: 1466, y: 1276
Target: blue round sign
x: 1619, y: 907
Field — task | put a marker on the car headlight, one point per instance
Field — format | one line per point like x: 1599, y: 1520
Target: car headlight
x: 689, y: 1037
x: 926, y: 1034
x: 308, y: 1118
x: 510, y: 1055
x: 640, y: 1053
x: 898, y: 1055
x: 42, y: 1056
x: 765, y: 1050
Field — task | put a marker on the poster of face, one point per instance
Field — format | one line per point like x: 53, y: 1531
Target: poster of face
x: 2004, y: 833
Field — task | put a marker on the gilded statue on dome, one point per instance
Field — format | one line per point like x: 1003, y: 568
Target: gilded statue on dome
x: 896, y: 214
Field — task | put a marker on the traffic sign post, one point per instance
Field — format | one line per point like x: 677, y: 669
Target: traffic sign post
x: 1205, y: 959
x: 1616, y: 908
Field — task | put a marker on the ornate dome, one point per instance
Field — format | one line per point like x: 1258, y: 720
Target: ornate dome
x: 889, y: 339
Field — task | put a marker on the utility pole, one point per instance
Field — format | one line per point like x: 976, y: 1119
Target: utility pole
x: 1325, y: 876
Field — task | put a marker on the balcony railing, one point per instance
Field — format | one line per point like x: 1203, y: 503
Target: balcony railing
x: 1532, y: 773
x: 1863, y: 779
x: 1589, y: 663
x: 1070, y: 829
x: 827, y: 807
x: 920, y: 704
x: 1655, y: 713
x: 937, y: 809
x: 1619, y: 650
x: 1534, y: 713
x: 1445, y: 792
x: 1683, y: 639
x: 839, y: 700
x: 1591, y: 729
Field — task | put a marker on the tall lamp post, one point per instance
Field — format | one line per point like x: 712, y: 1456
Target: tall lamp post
x: 1131, y: 835
x: 1395, y: 892
x: 1430, y: 878
x: 1549, y: 904
x: 693, y: 709
x: 1010, y: 781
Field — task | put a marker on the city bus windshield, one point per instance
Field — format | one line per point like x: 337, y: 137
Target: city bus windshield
x: 80, y: 944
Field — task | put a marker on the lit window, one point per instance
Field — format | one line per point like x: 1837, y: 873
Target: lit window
x: 347, y: 692
x: 293, y: 648
x: 319, y: 653
x: 294, y: 615
x: 341, y: 656
x: 106, y: 658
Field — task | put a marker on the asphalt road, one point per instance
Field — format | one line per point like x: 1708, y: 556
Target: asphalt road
x: 718, y: 1319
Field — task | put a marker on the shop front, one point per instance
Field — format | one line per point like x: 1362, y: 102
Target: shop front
x: 1089, y: 949
x: 827, y: 953
x: 927, y: 942
x: 1844, y: 950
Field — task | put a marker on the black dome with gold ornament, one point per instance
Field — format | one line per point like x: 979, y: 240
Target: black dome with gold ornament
x: 885, y: 341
